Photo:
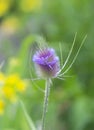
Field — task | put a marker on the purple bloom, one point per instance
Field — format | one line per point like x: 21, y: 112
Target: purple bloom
x: 46, y: 63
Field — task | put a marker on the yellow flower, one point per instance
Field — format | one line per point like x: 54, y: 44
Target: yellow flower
x: 13, y: 85
x: 9, y: 90
x: 4, y: 6
x: 9, y: 93
x: 15, y: 81
x: 30, y: 5
x: 12, y: 80
x: 2, y: 104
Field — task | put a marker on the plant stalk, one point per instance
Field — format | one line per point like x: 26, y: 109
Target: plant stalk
x: 47, y: 92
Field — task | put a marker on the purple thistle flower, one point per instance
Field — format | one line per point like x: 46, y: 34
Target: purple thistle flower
x: 46, y: 63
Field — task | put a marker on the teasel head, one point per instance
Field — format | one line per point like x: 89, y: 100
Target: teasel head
x: 47, y: 63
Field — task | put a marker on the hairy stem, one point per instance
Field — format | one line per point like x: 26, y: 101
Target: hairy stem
x: 47, y: 91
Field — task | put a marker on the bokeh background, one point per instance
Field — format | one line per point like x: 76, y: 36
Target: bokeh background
x: 71, y: 101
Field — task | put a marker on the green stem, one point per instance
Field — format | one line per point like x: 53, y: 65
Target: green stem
x: 27, y: 118
x: 47, y: 91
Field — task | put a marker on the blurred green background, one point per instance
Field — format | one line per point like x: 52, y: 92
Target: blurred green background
x: 71, y: 101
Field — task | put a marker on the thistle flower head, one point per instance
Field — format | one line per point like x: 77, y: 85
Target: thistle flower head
x: 46, y: 63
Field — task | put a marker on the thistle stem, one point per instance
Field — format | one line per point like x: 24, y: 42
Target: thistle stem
x: 47, y: 92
